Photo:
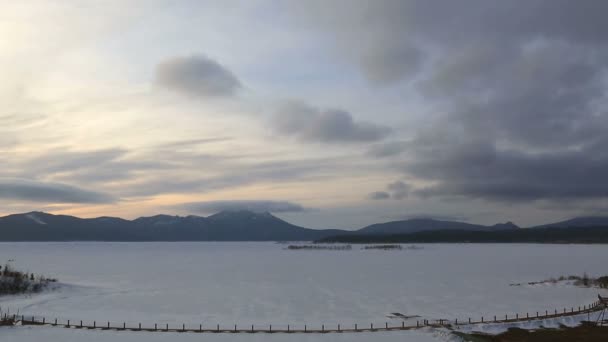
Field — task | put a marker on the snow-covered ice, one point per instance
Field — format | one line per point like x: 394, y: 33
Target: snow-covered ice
x: 262, y: 283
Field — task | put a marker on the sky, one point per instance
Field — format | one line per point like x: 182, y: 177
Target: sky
x: 327, y: 113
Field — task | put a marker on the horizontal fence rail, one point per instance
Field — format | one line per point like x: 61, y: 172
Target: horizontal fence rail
x: 13, y: 319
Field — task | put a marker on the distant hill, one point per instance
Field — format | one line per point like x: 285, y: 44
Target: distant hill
x: 420, y: 225
x: 224, y: 226
x: 589, y: 221
x: 587, y: 235
x: 233, y: 226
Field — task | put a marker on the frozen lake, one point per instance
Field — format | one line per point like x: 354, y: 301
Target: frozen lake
x: 263, y: 283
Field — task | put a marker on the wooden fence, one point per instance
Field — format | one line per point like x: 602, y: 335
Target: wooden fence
x: 8, y: 319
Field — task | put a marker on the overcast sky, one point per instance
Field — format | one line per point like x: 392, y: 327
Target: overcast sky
x: 330, y: 114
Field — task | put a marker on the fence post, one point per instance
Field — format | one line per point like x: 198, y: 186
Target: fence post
x: 516, y: 316
x: 304, y: 327
x: 218, y: 327
x: 139, y: 326
x: 68, y: 323
x: 81, y: 324
x: 403, y: 324
x: 271, y: 328
x: 371, y: 326
x: 494, y: 319
x: 235, y: 328
x: 252, y: 328
x: 527, y: 315
x: 124, y: 325
x: 481, y: 319
x: 167, y: 326
x: 355, y: 326
x: 456, y: 321
x: 108, y: 324
x: 417, y: 324
x: 155, y: 326
x: 338, y: 327
x: 43, y: 320
x: 94, y: 324
x: 386, y: 324
x: 322, y: 327
x: 469, y: 320
x: 200, y: 327
x: 288, y: 328
x: 183, y: 327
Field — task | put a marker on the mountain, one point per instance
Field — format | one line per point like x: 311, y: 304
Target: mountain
x: 423, y: 224
x: 228, y: 226
x: 586, y: 235
x: 224, y: 226
x: 589, y: 221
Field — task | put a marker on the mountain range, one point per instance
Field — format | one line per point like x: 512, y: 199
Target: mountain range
x: 223, y: 226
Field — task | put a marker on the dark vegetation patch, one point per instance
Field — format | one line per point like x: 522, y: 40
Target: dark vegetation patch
x: 587, y: 331
x: 13, y: 281
x: 582, y: 281
x: 384, y: 247
x: 320, y: 247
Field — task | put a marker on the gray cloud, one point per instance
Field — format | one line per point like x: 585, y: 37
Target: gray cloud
x: 379, y: 195
x: 519, y: 91
x: 333, y: 125
x: 197, y: 76
x: 36, y: 191
x: 388, y: 39
x: 251, y: 205
x: 387, y: 149
x: 396, y: 190
x: 481, y: 170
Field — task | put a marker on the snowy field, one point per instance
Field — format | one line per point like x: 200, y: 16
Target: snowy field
x: 262, y: 284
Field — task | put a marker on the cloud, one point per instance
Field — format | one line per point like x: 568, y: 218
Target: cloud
x: 36, y: 191
x: 379, y: 195
x: 390, y: 40
x: 197, y: 77
x: 518, y: 92
x: 397, y: 190
x: 308, y: 123
x: 387, y: 149
x: 480, y: 170
x: 251, y: 205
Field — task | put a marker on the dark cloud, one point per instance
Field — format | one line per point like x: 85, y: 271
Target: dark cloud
x: 398, y: 190
x: 379, y: 195
x: 197, y: 76
x: 390, y: 38
x: 36, y: 191
x: 251, y: 205
x: 308, y: 123
x: 483, y: 171
x: 519, y: 90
